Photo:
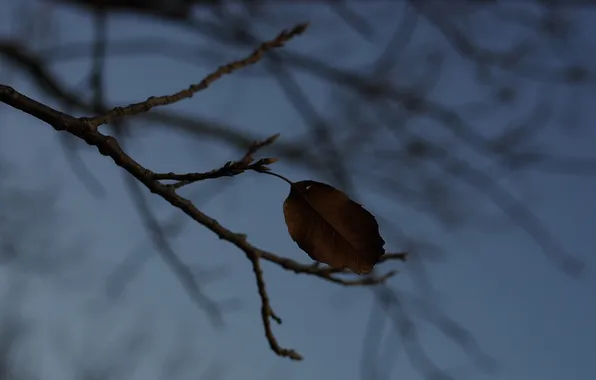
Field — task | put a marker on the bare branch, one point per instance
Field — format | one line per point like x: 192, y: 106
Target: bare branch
x: 109, y: 146
x: 230, y: 169
x: 267, y: 312
x: 152, y: 102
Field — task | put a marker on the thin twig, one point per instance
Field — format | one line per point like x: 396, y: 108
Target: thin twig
x: 230, y: 169
x: 156, y: 101
x: 267, y: 312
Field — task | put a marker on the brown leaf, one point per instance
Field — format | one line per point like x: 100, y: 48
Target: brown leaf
x: 332, y: 228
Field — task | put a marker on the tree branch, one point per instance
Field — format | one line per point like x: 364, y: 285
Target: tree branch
x: 86, y: 129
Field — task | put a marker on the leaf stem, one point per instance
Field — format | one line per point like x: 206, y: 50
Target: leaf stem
x: 277, y: 175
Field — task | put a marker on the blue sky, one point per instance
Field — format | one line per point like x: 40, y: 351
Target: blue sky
x: 534, y: 320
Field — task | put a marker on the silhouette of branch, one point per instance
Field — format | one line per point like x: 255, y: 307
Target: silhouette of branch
x: 230, y: 169
x: 109, y: 146
x: 152, y: 102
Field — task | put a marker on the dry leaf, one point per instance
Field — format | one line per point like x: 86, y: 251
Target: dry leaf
x: 332, y: 228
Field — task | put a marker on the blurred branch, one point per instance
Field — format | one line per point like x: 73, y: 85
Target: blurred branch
x: 136, y: 258
x: 184, y: 274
